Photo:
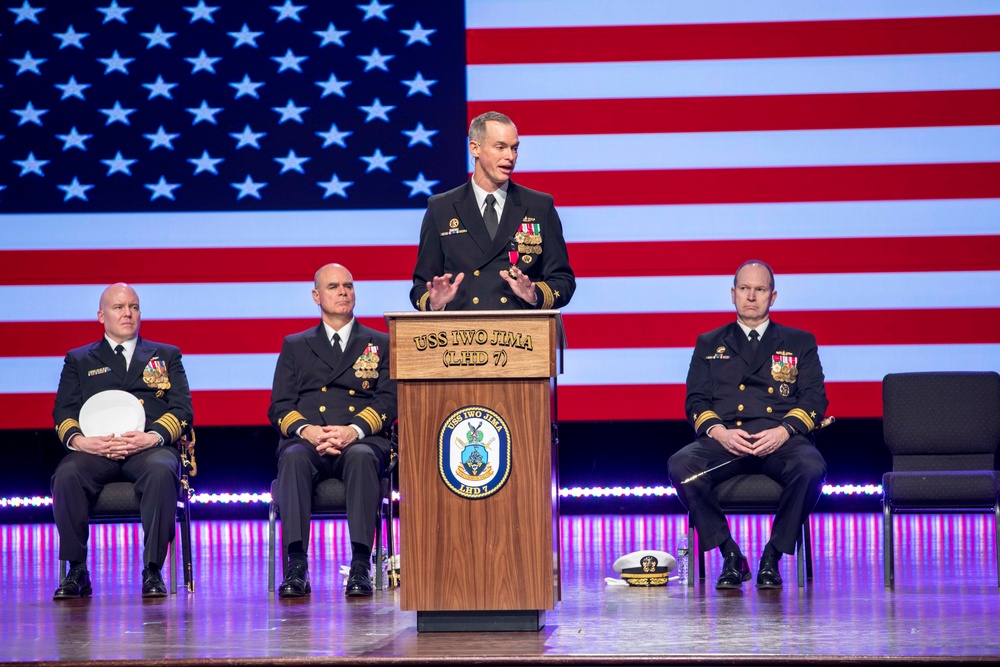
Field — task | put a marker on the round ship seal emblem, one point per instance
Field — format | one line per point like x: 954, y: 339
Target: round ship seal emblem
x: 474, y: 452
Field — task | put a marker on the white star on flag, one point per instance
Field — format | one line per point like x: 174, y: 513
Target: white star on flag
x: 116, y: 63
x: 288, y: 11
x: 75, y: 190
x: 289, y: 61
x: 161, y: 138
x: 204, y: 113
x: 26, y: 13
x: 70, y: 38
x: 419, y: 135
x: 158, y: 37
x: 290, y: 112
x: 72, y: 89
x: 420, y: 186
x: 201, y: 13
x: 31, y: 165
x: 205, y: 163
x: 161, y: 189
x: 378, y: 161
x: 247, y: 137
x: 119, y: 165
x: 246, y: 87
x: 377, y: 110
x: 419, y: 84
x: 117, y: 114
x: 335, y: 186
x: 29, y: 114
x: 28, y: 63
x: 332, y: 86
x: 418, y: 35
x: 334, y: 136
x: 74, y: 139
x: 374, y: 10
x: 292, y: 162
x: 114, y: 13
x: 245, y: 36
x: 248, y: 188
x: 159, y: 88
x: 203, y: 63
x: 376, y: 60
x: 331, y: 36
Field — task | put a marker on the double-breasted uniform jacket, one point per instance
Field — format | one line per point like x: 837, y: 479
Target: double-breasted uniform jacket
x: 312, y: 387
x: 453, y: 239
x: 783, y: 381
x: 155, y: 376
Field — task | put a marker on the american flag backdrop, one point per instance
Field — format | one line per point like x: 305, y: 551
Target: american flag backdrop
x: 214, y: 154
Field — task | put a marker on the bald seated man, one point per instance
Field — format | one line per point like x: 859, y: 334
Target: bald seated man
x: 153, y: 373
x: 333, y: 404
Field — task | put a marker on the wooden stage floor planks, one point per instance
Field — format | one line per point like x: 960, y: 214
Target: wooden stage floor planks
x: 944, y: 606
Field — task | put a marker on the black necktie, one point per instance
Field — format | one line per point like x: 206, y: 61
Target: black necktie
x: 490, y: 216
x: 337, y: 349
x: 120, y: 359
x: 754, y: 340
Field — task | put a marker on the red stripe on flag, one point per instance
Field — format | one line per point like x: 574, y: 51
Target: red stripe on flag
x: 773, y: 184
x: 945, y: 108
x: 589, y: 403
x: 881, y: 327
x: 593, y: 259
x: 245, y: 336
x: 202, y: 265
x: 786, y: 39
x: 583, y: 331
x: 787, y: 256
x: 666, y: 401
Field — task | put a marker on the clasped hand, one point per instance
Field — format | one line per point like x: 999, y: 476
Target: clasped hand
x: 115, y: 447
x: 329, y: 439
x: 739, y: 442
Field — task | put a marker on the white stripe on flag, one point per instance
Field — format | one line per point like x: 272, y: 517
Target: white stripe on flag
x: 605, y: 295
x: 787, y: 148
x: 682, y: 222
x: 709, y: 78
x: 628, y: 366
x: 561, y: 13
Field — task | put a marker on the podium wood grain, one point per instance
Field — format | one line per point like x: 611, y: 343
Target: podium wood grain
x: 498, y: 553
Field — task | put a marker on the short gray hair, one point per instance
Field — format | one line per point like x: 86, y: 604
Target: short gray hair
x: 477, y: 129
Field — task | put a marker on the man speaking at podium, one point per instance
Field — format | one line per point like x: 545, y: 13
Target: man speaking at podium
x: 490, y: 244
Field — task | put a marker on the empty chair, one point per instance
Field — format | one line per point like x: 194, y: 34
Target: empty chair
x: 943, y: 430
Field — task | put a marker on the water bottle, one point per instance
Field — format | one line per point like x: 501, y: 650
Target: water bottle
x: 384, y: 564
x: 683, y: 558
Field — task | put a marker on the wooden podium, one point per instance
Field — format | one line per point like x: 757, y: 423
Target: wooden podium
x: 478, y: 511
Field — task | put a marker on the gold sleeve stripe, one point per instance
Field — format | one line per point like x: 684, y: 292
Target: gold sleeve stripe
x: 802, y: 416
x: 373, y: 419
x: 547, y: 298
x: 172, y: 424
x: 64, y: 428
x: 705, y: 416
x: 422, y: 301
x: 288, y: 420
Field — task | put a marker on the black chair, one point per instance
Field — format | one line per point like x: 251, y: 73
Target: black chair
x: 752, y: 494
x: 119, y: 503
x: 330, y: 501
x: 943, y: 430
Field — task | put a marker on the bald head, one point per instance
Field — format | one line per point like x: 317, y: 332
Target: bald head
x: 119, y: 312
x: 333, y: 292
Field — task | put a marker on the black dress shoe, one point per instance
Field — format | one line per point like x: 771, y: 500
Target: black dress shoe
x: 296, y: 582
x: 76, y: 584
x: 152, y: 583
x: 359, y: 582
x: 767, y: 574
x: 735, y: 570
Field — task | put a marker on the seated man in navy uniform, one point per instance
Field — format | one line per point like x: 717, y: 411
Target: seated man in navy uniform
x: 153, y: 373
x: 755, y: 392
x: 334, y: 404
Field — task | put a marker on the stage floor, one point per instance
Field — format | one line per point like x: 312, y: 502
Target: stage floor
x: 944, y: 606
